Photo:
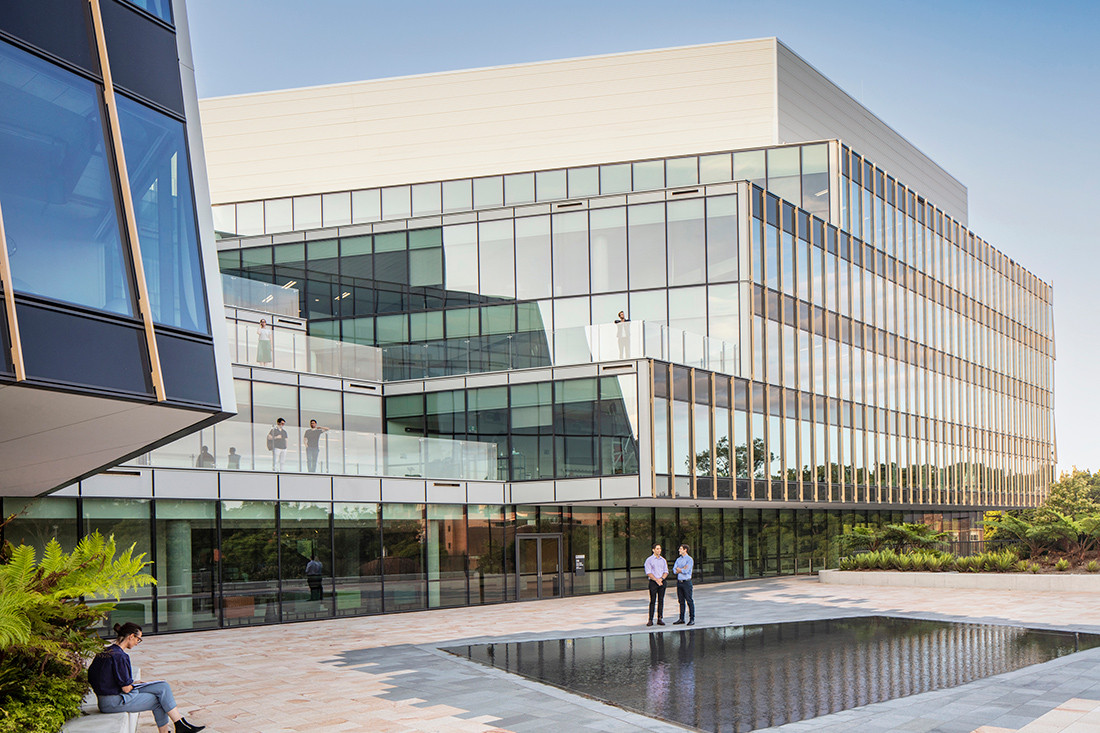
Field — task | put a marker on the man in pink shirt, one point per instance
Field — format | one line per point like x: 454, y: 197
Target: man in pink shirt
x: 656, y: 569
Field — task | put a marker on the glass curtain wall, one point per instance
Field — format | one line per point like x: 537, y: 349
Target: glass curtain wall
x: 462, y: 297
x: 874, y: 340
x: 231, y: 563
x: 801, y: 171
x: 186, y: 537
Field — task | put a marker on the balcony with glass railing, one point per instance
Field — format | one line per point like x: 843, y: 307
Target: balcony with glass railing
x: 241, y: 292
x: 290, y: 348
x: 296, y: 351
x: 243, y: 446
x: 563, y: 347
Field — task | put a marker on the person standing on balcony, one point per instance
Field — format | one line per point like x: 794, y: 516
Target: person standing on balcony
x: 276, y: 443
x: 263, y: 343
x: 683, y: 567
x: 313, y: 444
x: 205, y: 458
x: 656, y: 569
x: 622, y: 334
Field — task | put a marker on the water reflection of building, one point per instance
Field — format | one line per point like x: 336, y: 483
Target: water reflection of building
x: 815, y: 341
x: 743, y: 678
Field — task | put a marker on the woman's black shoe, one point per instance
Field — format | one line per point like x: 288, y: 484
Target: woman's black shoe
x: 182, y: 726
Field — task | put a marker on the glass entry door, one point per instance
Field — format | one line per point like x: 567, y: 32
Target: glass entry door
x: 538, y: 566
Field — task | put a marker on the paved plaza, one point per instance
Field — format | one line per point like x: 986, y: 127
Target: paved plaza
x: 386, y: 673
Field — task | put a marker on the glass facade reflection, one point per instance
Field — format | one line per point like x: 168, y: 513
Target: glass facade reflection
x: 435, y: 297
x: 61, y: 208
x: 157, y: 164
x: 802, y: 170
x: 233, y: 563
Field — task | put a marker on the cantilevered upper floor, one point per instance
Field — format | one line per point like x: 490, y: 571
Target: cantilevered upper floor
x: 110, y: 327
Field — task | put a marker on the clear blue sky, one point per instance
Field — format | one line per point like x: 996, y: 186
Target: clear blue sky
x: 1002, y: 93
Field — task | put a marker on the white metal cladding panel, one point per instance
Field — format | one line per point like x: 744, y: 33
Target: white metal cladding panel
x: 490, y: 121
x: 813, y: 108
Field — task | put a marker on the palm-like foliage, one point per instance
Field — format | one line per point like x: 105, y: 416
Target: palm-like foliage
x: 897, y: 537
x: 1034, y: 535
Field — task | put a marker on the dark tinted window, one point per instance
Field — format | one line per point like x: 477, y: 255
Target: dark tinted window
x: 143, y: 55
x: 60, y: 27
x: 188, y: 368
x: 67, y: 347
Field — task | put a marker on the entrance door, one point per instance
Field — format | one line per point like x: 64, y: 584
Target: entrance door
x: 538, y: 566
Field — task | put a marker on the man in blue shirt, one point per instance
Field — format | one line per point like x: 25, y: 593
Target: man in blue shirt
x: 656, y: 569
x: 683, y: 567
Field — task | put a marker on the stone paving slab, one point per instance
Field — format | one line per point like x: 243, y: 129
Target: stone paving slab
x: 386, y: 673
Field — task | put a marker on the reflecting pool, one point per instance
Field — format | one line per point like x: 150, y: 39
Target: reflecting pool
x: 740, y: 678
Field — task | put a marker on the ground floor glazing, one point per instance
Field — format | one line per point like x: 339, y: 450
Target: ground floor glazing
x: 230, y: 563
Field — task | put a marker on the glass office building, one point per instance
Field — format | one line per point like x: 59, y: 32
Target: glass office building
x: 814, y: 341
x: 106, y: 264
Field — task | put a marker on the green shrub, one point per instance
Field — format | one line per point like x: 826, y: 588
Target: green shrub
x: 873, y: 560
x: 902, y: 562
x: 969, y: 564
x: 44, y: 707
x: 936, y: 562
x: 1033, y: 568
x: 1022, y: 566
x: 1062, y: 565
x: 1001, y: 562
x: 1093, y: 566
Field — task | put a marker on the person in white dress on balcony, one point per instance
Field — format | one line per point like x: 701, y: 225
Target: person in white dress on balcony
x: 263, y: 343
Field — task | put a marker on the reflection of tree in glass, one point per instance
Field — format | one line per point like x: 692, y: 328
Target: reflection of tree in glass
x: 250, y: 555
x: 722, y: 457
x: 403, y: 540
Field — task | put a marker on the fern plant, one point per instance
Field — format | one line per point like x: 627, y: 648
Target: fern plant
x: 1093, y: 566
x: 47, y: 631
x: 30, y: 590
x: 1062, y: 565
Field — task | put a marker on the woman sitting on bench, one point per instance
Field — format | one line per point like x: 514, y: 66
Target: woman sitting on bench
x: 116, y: 691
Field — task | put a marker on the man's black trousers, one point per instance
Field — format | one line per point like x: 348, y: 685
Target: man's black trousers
x: 656, y: 595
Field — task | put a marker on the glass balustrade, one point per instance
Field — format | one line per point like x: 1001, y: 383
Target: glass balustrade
x: 297, y: 351
x: 240, y: 292
x: 567, y: 346
x: 233, y: 445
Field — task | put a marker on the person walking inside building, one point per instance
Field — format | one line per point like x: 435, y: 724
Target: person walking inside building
x: 276, y: 443
x: 116, y: 691
x: 233, y: 460
x: 313, y: 444
x: 314, y: 577
x: 656, y: 569
x: 682, y: 568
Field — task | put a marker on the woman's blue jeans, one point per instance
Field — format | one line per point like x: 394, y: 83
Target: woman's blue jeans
x: 155, y: 696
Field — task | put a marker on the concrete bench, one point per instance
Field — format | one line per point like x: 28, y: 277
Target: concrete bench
x: 93, y: 721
